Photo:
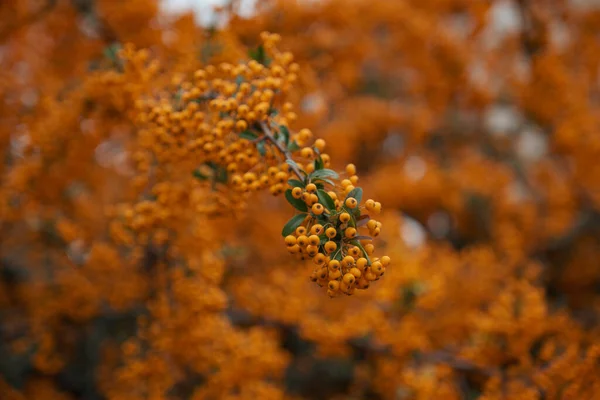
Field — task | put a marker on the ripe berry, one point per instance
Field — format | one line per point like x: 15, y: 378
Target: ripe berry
x: 317, y: 209
x: 350, y: 233
x: 301, y: 230
x: 290, y: 240
x: 331, y: 232
x: 349, y: 279
x: 316, y: 229
x: 330, y: 247
x: 334, y: 265
x: 297, y: 192
x: 344, y: 217
x: 351, y: 202
x: 314, y: 240
x: 311, y: 188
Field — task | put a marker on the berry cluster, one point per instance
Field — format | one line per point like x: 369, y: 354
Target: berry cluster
x: 229, y: 124
x: 327, y: 228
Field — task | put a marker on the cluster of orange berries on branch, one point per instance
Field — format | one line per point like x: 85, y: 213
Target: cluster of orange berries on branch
x: 327, y: 229
x: 228, y: 127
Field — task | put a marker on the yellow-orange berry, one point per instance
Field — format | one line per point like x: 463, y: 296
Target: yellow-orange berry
x: 333, y: 285
x: 385, y: 261
x: 297, y: 192
x: 301, y: 230
x: 311, y: 188
x: 316, y: 229
x: 313, y: 240
x: 312, y: 250
x: 344, y: 217
x: 302, y: 240
x: 350, y: 233
x: 331, y: 232
x: 356, y: 272
x: 351, y: 169
x: 349, y: 279
x: 351, y: 202
x: 290, y: 240
x: 347, y: 261
x: 361, y: 263
x: 334, y: 274
x: 334, y: 265
x: 320, y: 144
x: 330, y: 247
x: 317, y: 209
x: 319, y: 259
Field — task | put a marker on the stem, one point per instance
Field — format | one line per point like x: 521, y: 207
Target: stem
x: 285, y: 152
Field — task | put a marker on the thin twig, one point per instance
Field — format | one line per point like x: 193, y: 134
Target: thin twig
x: 285, y: 152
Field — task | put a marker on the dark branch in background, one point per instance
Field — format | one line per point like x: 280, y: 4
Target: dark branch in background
x: 31, y: 18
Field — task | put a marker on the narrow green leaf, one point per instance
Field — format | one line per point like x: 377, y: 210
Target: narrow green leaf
x: 199, y: 175
x: 329, y: 181
x: 357, y: 193
x: 324, y: 173
x: 286, y: 134
x: 297, y: 203
x: 357, y: 244
x: 260, y: 146
x: 319, y: 163
x: 293, y: 146
x: 326, y: 200
x: 293, y: 163
x: 296, y: 183
x: 292, y: 224
x: 247, y: 134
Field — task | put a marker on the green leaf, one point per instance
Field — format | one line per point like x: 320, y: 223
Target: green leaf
x: 296, y: 183
x: 259, y: 55
x: 324, y: 173
x: 338, y: 254
x: 325, y: 181
x: 326, y: 200
x: 286, y: 135
x: 292, y: 224
x: 357, y: 193
x: 260, y: 146
x: 294, y: 164
x: 293, y: 146
x: 357, y: 244
x: 247, y: 134
x: 319, y: 163
x: 323, y: 239
x: 199, y: 175
x: 297, y: 203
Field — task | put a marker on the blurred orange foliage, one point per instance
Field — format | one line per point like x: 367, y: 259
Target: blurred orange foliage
x: 142, y: 200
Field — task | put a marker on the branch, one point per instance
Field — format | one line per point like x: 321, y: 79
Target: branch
x: 282, y: 150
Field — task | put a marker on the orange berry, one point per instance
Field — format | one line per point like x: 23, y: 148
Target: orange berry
x: 317, y: 209
x: 344, y: 217
x: 331, y: 232
x: 314, y: 240
x: 316, y: 229
x: 330, y: 247
x: 290, y: 240
x: 297, y: 192
x: 350, y: 233
x: 351, y: 202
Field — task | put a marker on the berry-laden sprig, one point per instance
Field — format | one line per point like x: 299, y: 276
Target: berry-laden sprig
x: 229, y: 124
x: 326, y: 229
